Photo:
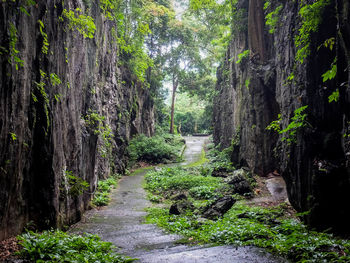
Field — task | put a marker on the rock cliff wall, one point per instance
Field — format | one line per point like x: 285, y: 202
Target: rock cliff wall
x: 67, y: 110
x: 270, y: 81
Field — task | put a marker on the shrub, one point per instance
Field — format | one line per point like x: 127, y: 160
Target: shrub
x: 156, y: 149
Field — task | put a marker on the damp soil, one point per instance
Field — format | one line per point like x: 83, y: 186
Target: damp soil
x: 122, y: 223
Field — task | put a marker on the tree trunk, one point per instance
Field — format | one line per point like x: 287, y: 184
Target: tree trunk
x: 175, y: 84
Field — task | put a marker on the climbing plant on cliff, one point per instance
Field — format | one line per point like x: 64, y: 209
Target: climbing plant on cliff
x: 311, y: 18
x: 297, y: 122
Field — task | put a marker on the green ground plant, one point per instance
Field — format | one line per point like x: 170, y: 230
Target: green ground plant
x: 104, y: 188
x: 169, y: 181
x: 58, y: 246
x: 262, y: 227
x: 242, y: 225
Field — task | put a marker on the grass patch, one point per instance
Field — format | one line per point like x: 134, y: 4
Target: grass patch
x: 169, y: 181
x: 104, y: 188
x: 261, y: 227
x: 58, y: 246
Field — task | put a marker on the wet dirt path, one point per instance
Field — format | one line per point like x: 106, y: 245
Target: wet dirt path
x: 121, y: 223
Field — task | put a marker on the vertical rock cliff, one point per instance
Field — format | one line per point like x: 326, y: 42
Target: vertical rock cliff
x: 68, y: 107
x: 275, y: 77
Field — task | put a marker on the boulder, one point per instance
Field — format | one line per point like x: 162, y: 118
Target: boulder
x: 219, y: 207
x: 239, y: 183
x: 220, y: 172
x: 181, y: 207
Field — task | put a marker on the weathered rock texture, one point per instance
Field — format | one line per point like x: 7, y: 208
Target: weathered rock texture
x: 44, y: 134
x: 252, y: 93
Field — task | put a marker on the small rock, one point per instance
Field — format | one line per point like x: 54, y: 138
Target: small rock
x: 239, y: 182
x: 181, y: 207
x: 219, y: 207
x: 180, y: 196
x: 220, y: 172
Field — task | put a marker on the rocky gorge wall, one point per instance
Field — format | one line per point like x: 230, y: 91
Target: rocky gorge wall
x: 67, y: 110
x: 315, y: 159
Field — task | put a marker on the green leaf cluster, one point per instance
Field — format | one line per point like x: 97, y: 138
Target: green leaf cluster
x: 45, y: 46
x: 311, y: 17
x: 58, y: 246
x: 76, y: 185
x: 298, y: 121
x: 97, y: 123
x: 272, y: 18
x: 104, y: 188
x: 13, y: 52
x: 78, y: 21
x: 157, y: 149
x: 331, y: 73
x: 242, y: 55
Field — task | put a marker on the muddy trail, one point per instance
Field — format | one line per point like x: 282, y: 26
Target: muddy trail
x: 122, y: 223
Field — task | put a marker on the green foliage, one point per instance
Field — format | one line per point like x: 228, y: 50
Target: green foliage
x: 157, y: 149
x: 83, y: 23
x: 102, y: 195
x: 334, y: 96
x: 76, y: 185
x: 247, y: 83
x: 54, y: 79
x: 172, y: 180
x: 13, y: 52
x: 331, y: 73
x: 328, y: 43
x: 311, y: 17
x: 255, y: 226
x: 45, y: 46
x: 58, y: 246
x: 203, y: 191
x: 107, y: 7
x: 298, y: 121
x: 220, y: 158
x: 96, y: 122
x: 13, y: 136
x: 242, y: 55
x: 272, y: 18
x: 132, y: 18
x: 192, y: 115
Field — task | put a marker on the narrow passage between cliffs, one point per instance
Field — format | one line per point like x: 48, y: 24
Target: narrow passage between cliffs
x: 122, y: 223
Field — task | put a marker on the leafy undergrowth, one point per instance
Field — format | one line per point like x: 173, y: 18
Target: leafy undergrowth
x: 58, y: 246
x: 161, y: 148
x: 170, y: 181
x: 257, y: 226
x: 242, y: 225
x: 102, y: 195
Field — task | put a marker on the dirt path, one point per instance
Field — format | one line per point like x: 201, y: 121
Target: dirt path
x: 122, y: 224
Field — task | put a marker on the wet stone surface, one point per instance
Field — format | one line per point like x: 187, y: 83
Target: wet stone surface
x: 122, y: 223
